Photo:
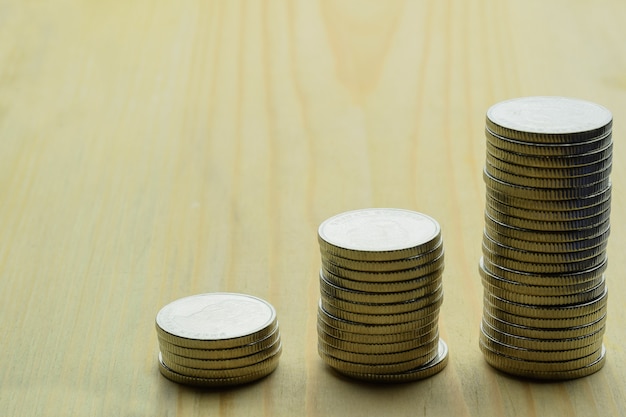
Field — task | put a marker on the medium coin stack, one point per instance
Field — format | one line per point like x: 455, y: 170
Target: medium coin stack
x: 548, y: 198
x: 218, y: 339
x: 381, y: 290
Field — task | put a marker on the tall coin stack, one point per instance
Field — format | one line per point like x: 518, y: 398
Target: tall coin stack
x: 217, y: 339
x: 548, y: 199
x: 381, y: 290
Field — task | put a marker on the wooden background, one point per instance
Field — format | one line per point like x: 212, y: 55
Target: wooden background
x: 151, y: 150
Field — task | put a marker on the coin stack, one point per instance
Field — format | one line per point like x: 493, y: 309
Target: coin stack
x: 548, y: 198
x: 381, y: 290
x: 218, y: 339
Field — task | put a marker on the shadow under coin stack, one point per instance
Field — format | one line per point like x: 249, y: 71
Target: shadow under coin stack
x: 381, y: 290
x: 548, y: 197
x: 217, y: 339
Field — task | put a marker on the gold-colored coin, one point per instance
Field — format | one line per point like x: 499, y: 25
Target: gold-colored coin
x: 388, y: 319
x: 548, y: 149
x: 379, y: 297
x: 220, y: 354
x: 212, y: 382
x: 369, y: 347
x: 543, y: 290
x: 379, y: 234
x: 550, y: 205
x: 543, y: 279
x: 543, y: 268
x: 544, y: 236
x: 535, y: 354
x: 383, y: 286
x: 547, y: 300
x: 535, y: 333
x: 543, y: 322
x: 415, y: 334
x: 548, y: 226
x: 570, y: 161
x: 378, y: 369
x: 547, y: 172
x: 376, y: 329
x: 599, y: 242
x: 544, y: 193
x: 541, y: 344
x: 589, y: 369
x: 521, y: 255
x: 507, y: 362
x: 380, y: 278
x: 419, y: 353
x: 214, y: 364
x: 383, y: 309
x: 545, y: 119
x: 537, y: 182
x: 425, y: 371
x: 385, y: 266
x: 260, y: 367
x: 548, y: 312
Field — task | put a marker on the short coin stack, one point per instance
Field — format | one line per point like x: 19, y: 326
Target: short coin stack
x: 217, y: 339
x: 381, y: 290
x: 548, y: 197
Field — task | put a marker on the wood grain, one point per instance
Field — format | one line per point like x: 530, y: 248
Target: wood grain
x: 153, y: 150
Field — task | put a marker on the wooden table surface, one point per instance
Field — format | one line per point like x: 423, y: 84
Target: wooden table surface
x: 151, y: 150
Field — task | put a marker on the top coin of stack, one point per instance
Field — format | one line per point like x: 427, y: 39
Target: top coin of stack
x: 548, y: 195
x: 381, y: 289
x: 218, y: 339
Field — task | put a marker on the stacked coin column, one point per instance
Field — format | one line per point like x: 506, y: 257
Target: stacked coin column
x: 548, y: 196
x: 218, y: 339
x: 381, y: 290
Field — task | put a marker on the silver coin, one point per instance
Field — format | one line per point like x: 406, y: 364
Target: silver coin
x: 547, y: 149
x: 550, y: 205
x: 550, y: 194
x: 547, y: 215
x: 379, y: 234
x: 540, y: 257
x: 537, y: 182
x: 547, y: 172
x: 540, y: 286
x: 395, y: 265
x: 565, y: 162
x: 215, y: 320
x: 424, y: 371
x: 545, y: 236
x: 380, y: 278
x: 549, y: 119
x: 382, y: 286
x: 549, y: 226
x: 531, y: 267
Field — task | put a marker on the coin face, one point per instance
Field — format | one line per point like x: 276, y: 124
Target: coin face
x: 547, y: 116
x: 216, y: 316
x: 379, y: 233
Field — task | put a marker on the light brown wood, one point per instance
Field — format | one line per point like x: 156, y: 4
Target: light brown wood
x: 151, y: 150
